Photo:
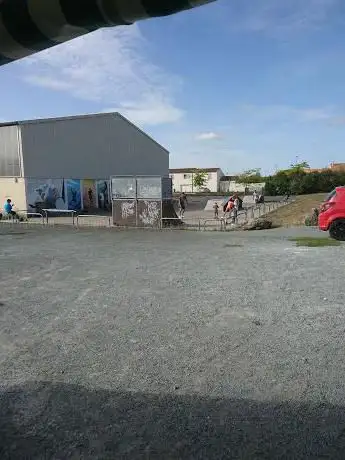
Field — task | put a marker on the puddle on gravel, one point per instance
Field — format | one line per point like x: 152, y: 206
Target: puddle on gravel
x: 233, y: 245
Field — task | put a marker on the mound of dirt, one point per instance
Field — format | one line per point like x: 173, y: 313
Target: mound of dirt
x: 259, y: 224
x: 295, y: 212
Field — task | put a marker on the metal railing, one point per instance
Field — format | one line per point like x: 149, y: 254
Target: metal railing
x: 59, y: 211
x: 33, y: 214
x: 93, y: 216
x: 17, y: 218
x: 167, y: 219
x: 197, y: 222
x: 220, y: 221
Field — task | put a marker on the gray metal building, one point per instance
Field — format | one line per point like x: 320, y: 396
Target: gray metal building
x: 89, y: 146
x: 35, y: 154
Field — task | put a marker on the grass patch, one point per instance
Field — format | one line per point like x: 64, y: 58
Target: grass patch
x: 314, y: 242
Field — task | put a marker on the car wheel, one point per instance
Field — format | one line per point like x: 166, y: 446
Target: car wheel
x: 337, y: 230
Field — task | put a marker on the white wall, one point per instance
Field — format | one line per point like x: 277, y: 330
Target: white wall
x: 233, y: 186
x: 14, y: 188
x: 183, y: 182
x: 94, y: 147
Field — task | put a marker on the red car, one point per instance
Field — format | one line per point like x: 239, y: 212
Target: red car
x: 332, y: 214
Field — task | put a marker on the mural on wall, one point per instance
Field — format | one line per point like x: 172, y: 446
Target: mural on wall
x: 73, y: 194
x: 103, y: 194
x: 45, y: 194
x: 89, y: 194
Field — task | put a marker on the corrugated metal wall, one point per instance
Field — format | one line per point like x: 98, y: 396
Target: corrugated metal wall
x: 91, y: 147
x: 9, y: 152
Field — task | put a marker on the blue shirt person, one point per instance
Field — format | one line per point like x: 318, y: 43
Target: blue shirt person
x: 8, y: 207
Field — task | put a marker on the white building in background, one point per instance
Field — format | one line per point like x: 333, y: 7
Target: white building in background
x: 183, y: 179
x: 229, y: 184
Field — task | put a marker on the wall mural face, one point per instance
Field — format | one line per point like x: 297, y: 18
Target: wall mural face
x: 45, y: 194
x: 73, y: 194
x: 89, y: 194
x: 103, y: 194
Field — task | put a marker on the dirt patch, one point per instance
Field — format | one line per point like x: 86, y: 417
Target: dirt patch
x: 296, y: 212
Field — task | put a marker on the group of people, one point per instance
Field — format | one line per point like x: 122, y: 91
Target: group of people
x: 231, y: 207
x: 257, y: 197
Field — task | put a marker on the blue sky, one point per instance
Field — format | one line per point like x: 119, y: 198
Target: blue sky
x: 237, y: 84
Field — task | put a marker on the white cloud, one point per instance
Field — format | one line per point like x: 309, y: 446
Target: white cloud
x: 285, y: 16
x: 207, y: 136
x: 289, y: 113
x: 109, y: 67
x: 151, y: 110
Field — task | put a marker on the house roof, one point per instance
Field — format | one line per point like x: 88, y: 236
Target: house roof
x: 75, y: 117
x: 192, y: 170
x: 337, y: 166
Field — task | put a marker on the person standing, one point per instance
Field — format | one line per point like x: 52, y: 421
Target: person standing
x: 229, y: 208
x: 182, y: 204
x: 90, y: 196
x: 235, y: 209
x: 216, y: 210
x: 255, y: 197
x: 101, y: 200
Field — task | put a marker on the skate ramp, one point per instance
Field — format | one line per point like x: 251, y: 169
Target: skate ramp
x: 210, y: 203
x: 170, y: 217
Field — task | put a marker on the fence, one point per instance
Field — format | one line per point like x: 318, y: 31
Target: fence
x: 18, y: 217
x: 59, y: 211
x: 95, y: 220
x: 247, y: 215
x: 154, y: 220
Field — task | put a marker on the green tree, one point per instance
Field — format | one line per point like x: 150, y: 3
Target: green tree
x: 298, y: 167
x: 279, y: 184
x: 199, y: 178
x: 250, y: 176
x: 300, y: 183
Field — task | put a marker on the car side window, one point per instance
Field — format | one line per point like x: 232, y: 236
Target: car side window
x: 331, y: 195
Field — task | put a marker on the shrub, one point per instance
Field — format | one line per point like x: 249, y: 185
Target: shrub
x: 301, y: 183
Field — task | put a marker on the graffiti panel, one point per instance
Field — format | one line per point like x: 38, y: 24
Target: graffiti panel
x: 123, y: 187
x: 124, y: 213
x: 149, y: 213
x: 89, y: 194
x: 149, y: 188
x: 45, y: 194
x: 73, y: 194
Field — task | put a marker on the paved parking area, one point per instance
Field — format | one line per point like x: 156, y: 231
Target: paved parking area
x: 170, y: 345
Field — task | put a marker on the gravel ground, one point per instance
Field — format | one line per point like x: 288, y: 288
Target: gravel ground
x: 170, y: 345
